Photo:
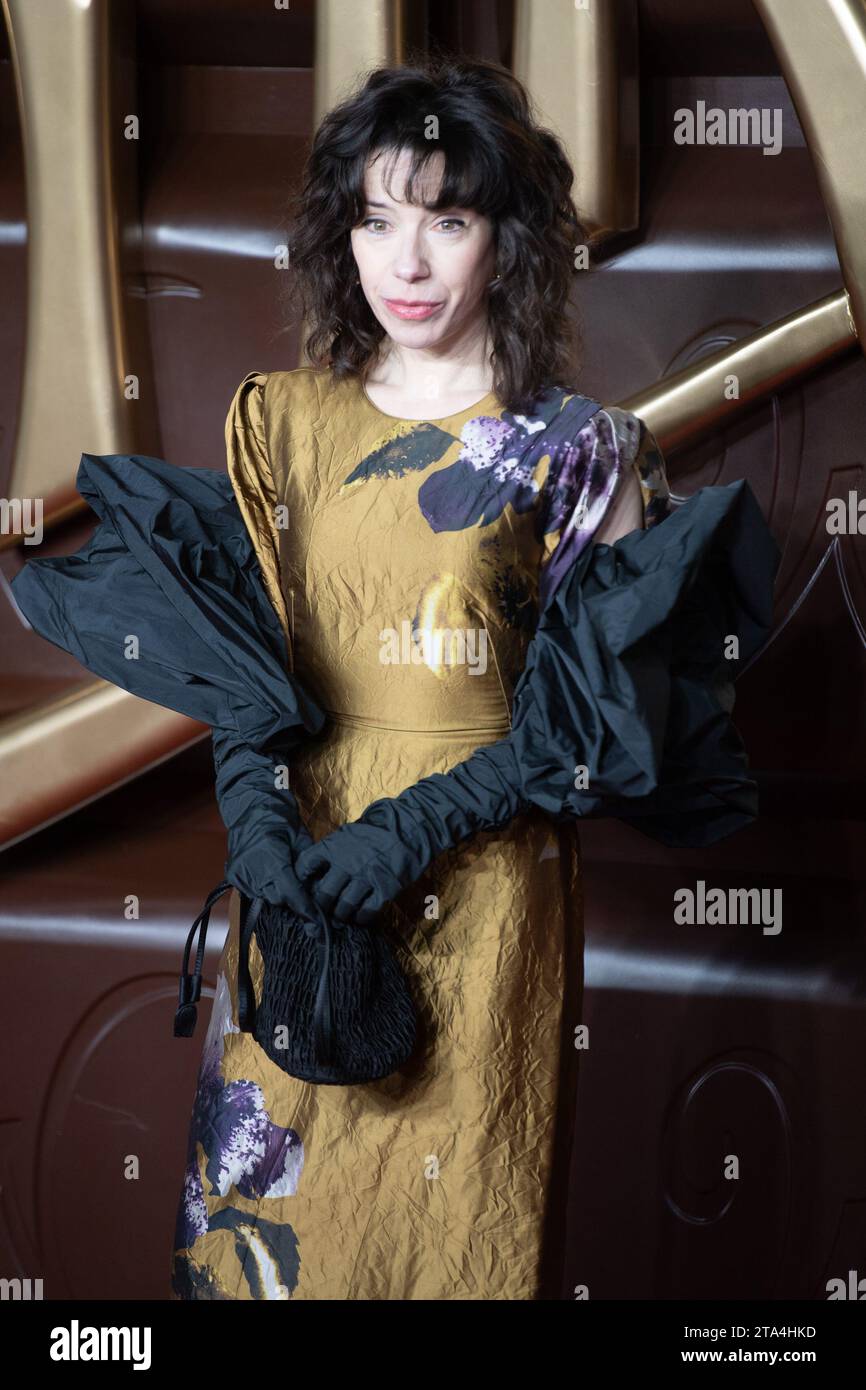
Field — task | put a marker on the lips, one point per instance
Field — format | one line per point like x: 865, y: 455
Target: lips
x: 412, y: 308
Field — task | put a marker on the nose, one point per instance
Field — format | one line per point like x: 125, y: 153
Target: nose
x: 410, y: 264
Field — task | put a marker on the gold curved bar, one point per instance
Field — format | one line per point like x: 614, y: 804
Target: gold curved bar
x: 350, y: 38
x: 85, y: 333
x: 692, y: 402
x: 580, y: 64
x: 821, y: 47
x: 58, y: 756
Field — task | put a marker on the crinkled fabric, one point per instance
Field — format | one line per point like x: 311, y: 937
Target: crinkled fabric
x: 446, y: 1180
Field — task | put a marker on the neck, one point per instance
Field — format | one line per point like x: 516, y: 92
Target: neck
x: 444, y: 370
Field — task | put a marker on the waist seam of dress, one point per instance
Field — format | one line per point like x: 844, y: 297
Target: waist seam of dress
x: 359, y: 720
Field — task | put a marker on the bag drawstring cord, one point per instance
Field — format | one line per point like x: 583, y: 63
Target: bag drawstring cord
x: 190, y: 985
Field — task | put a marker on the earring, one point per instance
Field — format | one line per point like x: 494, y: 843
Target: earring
x: 493, y: 281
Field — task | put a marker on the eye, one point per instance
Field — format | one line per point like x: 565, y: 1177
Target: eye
x: 367, y: 220
x: 456, y: 222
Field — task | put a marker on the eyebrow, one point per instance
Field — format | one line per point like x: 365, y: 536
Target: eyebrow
x: 370, y: 204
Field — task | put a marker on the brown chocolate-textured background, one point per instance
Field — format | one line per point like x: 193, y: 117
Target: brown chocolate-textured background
x: 704, y: 1042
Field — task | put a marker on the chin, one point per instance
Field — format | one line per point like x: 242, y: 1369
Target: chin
x: 415, y: 334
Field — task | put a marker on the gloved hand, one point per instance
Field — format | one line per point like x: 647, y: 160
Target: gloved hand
x: 357, y: 868
x: 265, y: 827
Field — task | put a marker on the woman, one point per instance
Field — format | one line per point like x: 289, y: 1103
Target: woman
x: 438, y: 1182
x: 419, y: 501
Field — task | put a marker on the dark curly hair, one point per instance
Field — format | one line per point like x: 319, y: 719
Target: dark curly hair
x: 498, y: 161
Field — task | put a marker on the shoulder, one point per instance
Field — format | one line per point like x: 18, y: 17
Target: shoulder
x: 613, y: 429
x: 611, y: 453
x: 304, y: 392
x: 246, y: 408
x: 263, y: 397
x: 590, y: 442
x: 624, y: 440
x: 274, y: 417
x: 589, y: 428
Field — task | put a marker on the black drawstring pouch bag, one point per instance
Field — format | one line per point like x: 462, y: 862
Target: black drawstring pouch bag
x: 335, y: 1006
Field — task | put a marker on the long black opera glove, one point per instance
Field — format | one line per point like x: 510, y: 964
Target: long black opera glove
x: 265, y: 827
x: 629, y: 677
x: 360, y: 866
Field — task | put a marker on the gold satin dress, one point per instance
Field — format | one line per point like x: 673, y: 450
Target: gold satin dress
x: 447, y: 1179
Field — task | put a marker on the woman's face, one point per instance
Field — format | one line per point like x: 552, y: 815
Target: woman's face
x: 439, y: 262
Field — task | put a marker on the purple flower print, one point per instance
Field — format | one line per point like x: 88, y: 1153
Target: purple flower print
x: 244, y: 1148
x: 499, y: 463
x: 584, y: 474
x: 489, y: 473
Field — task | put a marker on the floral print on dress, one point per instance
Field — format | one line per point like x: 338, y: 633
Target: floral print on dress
x: 584, y: 476
x: 509, y: 586
x: 497, y: 465
x: 267, y: 1253
x: 501, y: 463
x: 405, y: 451
x: 657, y: 499
x: 245, y: 1150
